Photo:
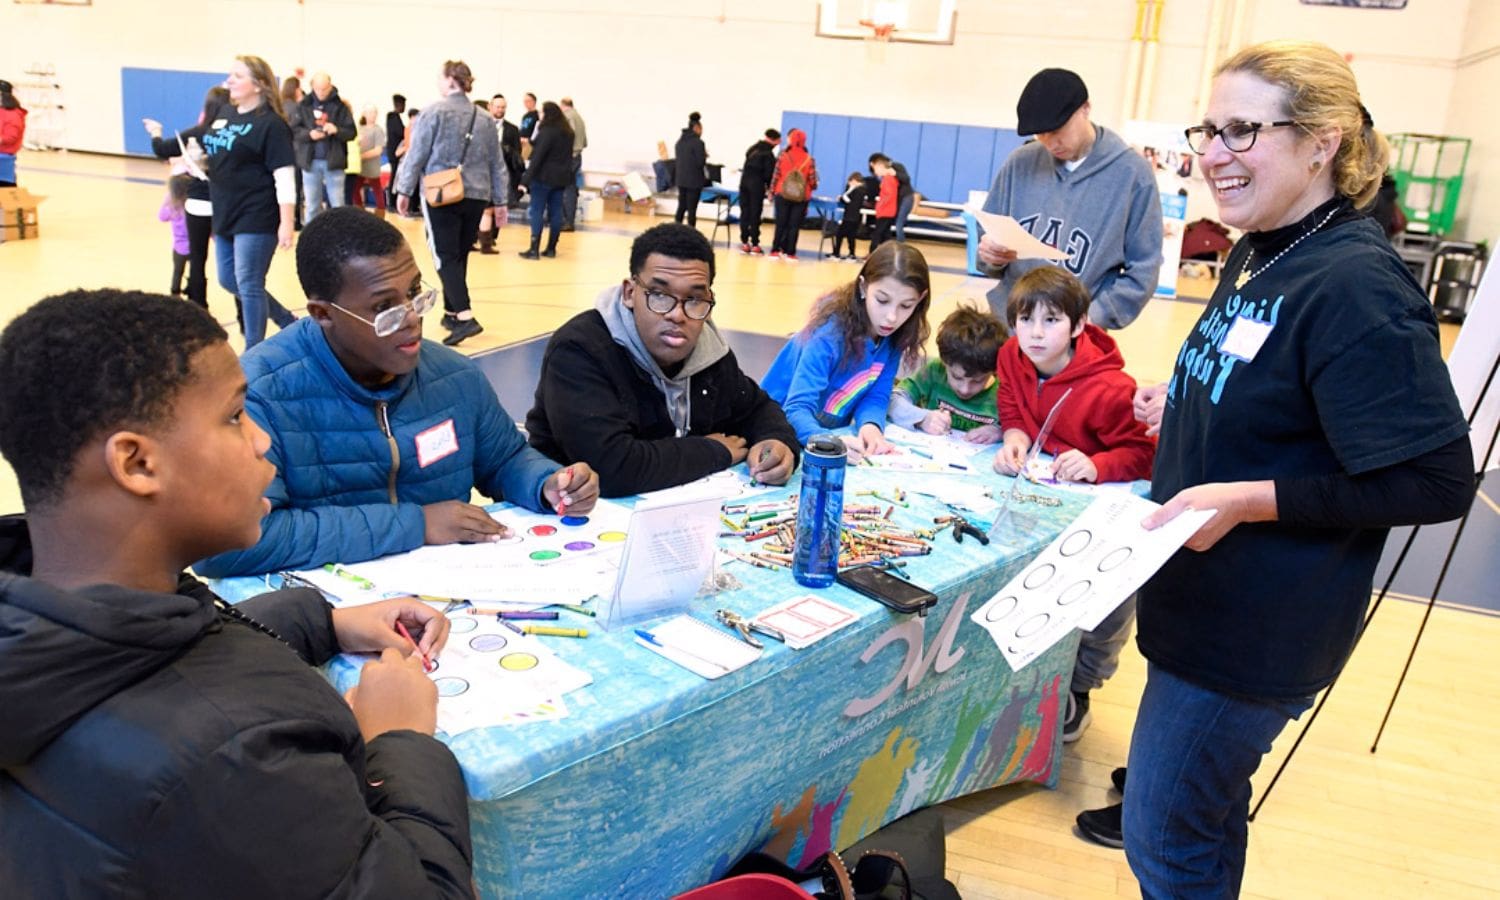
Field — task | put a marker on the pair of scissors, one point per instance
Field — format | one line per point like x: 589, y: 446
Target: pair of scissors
x: 745, y: 626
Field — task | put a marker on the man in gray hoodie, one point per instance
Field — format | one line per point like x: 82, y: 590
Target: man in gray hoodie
x: 1080, y: 188
x: 644, y: 388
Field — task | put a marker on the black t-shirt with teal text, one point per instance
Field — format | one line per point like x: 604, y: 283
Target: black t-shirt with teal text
x: 243, y: 150
x: 1325, y: 362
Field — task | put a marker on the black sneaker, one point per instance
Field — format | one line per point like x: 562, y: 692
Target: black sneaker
x: 449, y: 321
x: 1102, y: 826
x: 1076, y: 722
x: 1117, y: 778
x: 465, y: 329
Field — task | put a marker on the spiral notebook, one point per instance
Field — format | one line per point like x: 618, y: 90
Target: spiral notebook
x: 697, y: 646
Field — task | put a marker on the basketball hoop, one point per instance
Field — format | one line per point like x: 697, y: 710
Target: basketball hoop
x: 877, y: 40
x: 879, y: 31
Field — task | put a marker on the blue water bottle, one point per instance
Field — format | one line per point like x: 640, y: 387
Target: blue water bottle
x: 820, y: 511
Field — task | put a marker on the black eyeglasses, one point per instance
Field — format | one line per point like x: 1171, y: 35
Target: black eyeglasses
x: 662, y: 303
x: 1238, y: 136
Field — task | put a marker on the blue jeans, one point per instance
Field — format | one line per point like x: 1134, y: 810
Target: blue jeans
x: 320, y: 184
x: 1191, y: 758
x: 903, y: 209
x: 244, y: 260
x: 549, y: 200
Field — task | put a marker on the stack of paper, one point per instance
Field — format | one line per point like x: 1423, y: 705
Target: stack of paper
x: 805, y: 620
x: 697, y: 646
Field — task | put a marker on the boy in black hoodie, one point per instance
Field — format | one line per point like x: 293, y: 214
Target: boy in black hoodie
x: 159, y: 743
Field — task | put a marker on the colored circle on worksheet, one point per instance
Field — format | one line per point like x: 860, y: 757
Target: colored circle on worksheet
x: 462, y: 624
x: 542, y: 530
x: 544, y: 555
x: 511, y: 538
x: 518, y: 662
x: 574, y: 521
x: 1001, y: 608
x: 579, y: 545
x: 1073, y: 593
x: 489, y: 643
x: 612, y: 537
x: 450, y: 687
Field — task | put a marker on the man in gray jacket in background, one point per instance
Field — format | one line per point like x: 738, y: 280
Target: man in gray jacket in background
x: 1078, y: 187
x: 580, y: 143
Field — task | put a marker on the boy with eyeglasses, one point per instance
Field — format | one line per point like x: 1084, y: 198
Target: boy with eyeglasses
x: 645, y: 389
x: 378, y: 436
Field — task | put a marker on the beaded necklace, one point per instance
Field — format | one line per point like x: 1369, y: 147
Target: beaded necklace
x: 1243, y: 278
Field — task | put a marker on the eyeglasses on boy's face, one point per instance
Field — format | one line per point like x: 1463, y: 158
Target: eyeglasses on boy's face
x: 662, y: 303
x: 389, y: 321
x: 1237, y: 136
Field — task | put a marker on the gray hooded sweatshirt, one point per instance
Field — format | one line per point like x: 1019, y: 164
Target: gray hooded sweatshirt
x: 1106, y: 215
x: 710, y: 349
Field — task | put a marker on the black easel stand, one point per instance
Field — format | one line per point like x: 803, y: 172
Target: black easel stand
x: 1390, y: 579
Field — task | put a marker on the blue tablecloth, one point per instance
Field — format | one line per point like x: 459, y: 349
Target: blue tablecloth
x: 659, y: 780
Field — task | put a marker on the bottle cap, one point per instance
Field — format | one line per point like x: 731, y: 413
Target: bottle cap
x: 825, y: 450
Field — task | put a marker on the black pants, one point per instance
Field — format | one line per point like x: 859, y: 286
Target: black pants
x: 789, y: 218
x: 179, y: 265
x: 451, y: 232
x: 848, y: 231
x: 687, y: 204
x: 882, y: 232
x: 200, y: 231
x: 752, y: 205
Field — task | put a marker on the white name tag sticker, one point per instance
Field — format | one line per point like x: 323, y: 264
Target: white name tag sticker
x: 1245, y: 338
x: 436, y: 442
x: 218, y: 123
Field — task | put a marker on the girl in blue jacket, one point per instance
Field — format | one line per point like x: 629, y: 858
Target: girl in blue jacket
x: 839, y: 370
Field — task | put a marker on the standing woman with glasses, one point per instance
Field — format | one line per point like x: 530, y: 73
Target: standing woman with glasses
x: 1279, y: 417
x: 451, y: 133
x: 253, y: 190
x: 548, y: 174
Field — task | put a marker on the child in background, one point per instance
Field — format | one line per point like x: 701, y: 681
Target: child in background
x: 956, y: 391
x: 158, y: 742
x: 173, y: 210
x: 886, y: 204
x: 852, y: 202
x: 840, y: 369
x: 1096, y: 436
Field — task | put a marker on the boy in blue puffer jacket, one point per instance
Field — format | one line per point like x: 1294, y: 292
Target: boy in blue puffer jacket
x: 379, y: 436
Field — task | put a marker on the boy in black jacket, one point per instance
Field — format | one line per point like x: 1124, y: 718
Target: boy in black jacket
x: 159, y: 743
x: 644, y: 389
x: 755, y: 181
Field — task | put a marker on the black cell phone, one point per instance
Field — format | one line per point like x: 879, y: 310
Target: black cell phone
x: 897, y: 593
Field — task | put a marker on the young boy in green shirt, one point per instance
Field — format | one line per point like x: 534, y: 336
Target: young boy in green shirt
x: 956, y: 391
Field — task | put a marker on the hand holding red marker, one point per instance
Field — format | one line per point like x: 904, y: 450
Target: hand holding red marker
x: 572, y: 490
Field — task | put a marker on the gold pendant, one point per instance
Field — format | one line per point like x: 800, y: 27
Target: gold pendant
x: 1241, y: 280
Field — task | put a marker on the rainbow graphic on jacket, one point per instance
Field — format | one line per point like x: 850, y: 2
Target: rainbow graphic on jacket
x: 839, y: 402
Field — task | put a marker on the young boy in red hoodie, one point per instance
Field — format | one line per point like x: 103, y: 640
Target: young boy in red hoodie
x: 1094, y: 438
x: 885, y: 203
x: 1054, y: 348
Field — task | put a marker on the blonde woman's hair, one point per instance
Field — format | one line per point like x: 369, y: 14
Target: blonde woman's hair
x: 265, y: 79
x: 1321, y: 93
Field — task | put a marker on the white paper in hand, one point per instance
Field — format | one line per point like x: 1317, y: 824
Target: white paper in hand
x: 1011, y: 234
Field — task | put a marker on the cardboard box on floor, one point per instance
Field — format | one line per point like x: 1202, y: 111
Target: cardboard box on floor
x: 18, y: 219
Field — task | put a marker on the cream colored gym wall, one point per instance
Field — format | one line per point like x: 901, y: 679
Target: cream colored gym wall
x: 637, y: 70
x: 1472, y: 115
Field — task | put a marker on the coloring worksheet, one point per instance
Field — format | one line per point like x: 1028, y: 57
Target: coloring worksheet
x: 488, y: 675
x: 917, y: 451
x: 546, y: 559
x: 1094, y: 565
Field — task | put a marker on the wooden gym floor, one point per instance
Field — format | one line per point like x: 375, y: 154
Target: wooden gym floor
x: 1418, y: 819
